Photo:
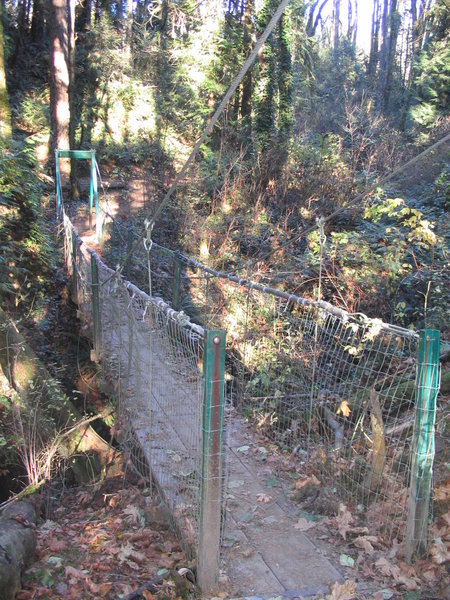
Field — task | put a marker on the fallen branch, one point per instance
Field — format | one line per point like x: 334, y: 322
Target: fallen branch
x: 152, y: 586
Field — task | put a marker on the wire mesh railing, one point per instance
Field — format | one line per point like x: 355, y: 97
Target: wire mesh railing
x: 152, y: 357
x: 338, y: 390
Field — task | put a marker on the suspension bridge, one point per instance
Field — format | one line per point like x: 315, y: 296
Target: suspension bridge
x: 229, y: 393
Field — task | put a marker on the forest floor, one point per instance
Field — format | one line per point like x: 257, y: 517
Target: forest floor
x: 112, y: 540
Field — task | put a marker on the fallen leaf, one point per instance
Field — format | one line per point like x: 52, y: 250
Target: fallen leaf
x: 442, y: 493
x: 344, y: 409
x: 72, y: 572
x: 84, y: 497
x: 272, y: 482
x: 346, y: 561
x: 408, y: 582
x: 174, y: 456
x: 439, y: 552
x: 229, y: 542
x: 301, y: 483
x: 263, y: 498
x: 343, y: 520
x: 236, y: 483
x: 61, y: 588
x: 365, y: 542
x: 343, y: 591
x: 387, y: 568
x: 128, y: 552
x: 135, y: 515
x: 57, y: 545
x: 243, y: 449
x: 246, y: 517
x: 304, y: 525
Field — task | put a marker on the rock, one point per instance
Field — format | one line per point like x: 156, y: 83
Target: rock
x: 17, y: 546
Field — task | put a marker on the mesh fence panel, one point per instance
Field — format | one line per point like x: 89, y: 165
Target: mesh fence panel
x: 335, y: 389
x: 152, y: 358
x: 320, y: 382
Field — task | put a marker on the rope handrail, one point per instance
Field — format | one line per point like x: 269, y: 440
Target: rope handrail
x: 178, y: 316
x: 252, y: 285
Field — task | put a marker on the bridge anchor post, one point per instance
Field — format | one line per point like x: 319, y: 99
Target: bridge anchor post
x: 212, y: 461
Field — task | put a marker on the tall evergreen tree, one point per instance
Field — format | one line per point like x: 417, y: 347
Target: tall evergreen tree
x: 59, y: 75
x: 5, y: 112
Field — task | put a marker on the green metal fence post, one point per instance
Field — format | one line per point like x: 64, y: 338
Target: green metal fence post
x: 91, y: 188
x: 95, y: 354
x: 94, y: 187
x: 58, y: 186
x: 176, y: 281
x: 427, y: 387
x: 74, y: 269
x: 211, y: 490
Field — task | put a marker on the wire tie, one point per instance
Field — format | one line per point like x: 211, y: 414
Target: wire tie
x: 320, y: 221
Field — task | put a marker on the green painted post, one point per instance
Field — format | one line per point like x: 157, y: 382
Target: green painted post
x: 58, y: 186
x: 212, y: 462
x: 75, y: 153
x: 176, y: 281
x: 95, y: 354
x: 94, y: 192
x: 427, y: 387
x: 74, y: 270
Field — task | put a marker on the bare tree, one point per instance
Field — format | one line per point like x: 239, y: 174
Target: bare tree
x: 374, y: 38
x: 314, y: 17
x: 38, y: 23
x: 336, y: 24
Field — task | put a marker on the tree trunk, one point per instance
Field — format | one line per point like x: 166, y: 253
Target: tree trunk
x: 5, y: 112
x: 21, y: 30
x: 394, y: 28
x: 59, y: 78
x: 247, y: 84
x: 384, y: 48
x: 75, y: 190
x: 313, y: 20
x: 85, y: 16
x: 38, y: 23
x: 128, y: 26
x: 336, y: 25
x: 375, y: 32
x: 17, y: 546
x: 355, y: 25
